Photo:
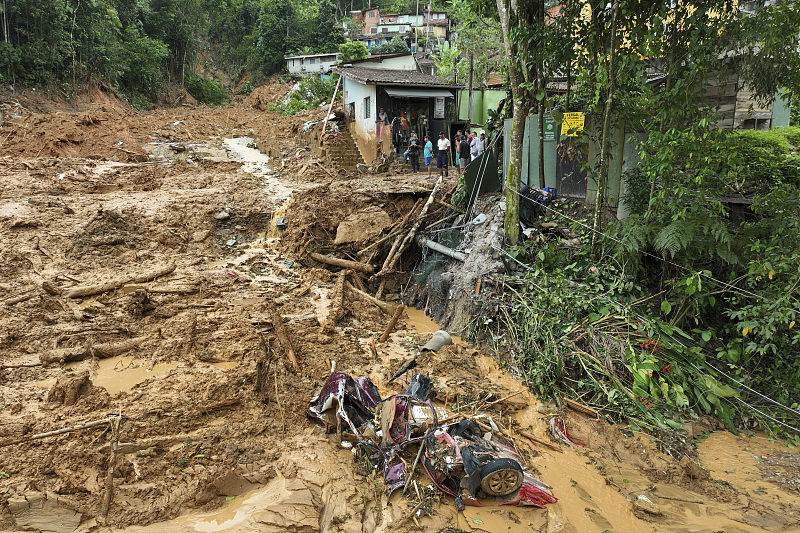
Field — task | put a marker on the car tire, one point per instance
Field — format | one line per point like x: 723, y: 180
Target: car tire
x: 501, y: 477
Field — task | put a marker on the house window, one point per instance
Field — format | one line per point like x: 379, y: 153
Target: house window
x: 384, y: 30
x: 367, y: 107
x: 351, y: 111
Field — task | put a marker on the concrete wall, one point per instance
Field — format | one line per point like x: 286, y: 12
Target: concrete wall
x: 363, y: 129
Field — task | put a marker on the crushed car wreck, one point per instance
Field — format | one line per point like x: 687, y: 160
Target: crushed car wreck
x: 463, y: 457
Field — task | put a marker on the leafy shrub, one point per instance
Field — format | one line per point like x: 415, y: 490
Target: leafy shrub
x: 206, y: 90
x: 10, y: 58
x: 791, y: 134
x: 246, y: 88
x: 311, y: 92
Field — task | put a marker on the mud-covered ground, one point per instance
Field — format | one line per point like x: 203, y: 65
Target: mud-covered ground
x: 139, y: 262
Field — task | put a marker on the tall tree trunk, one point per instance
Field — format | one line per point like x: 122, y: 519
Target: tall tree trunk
x: 520, y: 113
x: 599, y: 199
x: 5, y: 22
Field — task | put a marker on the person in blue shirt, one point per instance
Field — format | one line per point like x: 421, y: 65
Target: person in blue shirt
x: 427, y: 153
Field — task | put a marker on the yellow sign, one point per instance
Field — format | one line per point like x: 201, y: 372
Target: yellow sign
x: 572, y: 124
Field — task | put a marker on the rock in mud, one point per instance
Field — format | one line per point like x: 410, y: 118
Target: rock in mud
x: 68, y: 389
x: 362, y: 225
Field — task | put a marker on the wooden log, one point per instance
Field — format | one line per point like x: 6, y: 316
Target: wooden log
x: 337, y: 303
x: 82, y: 291
x: 282, y: 334
x: 385, y: 306
x: 392, y: 323
x: 64, y: 355
x: 396, y: 229
x: 20, y: 298
x: 585, y: 409
x: 108, y: 494
x: 342, y: 263
x: 111, y: 349
x: 37, y: 436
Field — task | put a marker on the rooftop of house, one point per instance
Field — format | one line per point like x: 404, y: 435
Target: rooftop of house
x: 395, y: 77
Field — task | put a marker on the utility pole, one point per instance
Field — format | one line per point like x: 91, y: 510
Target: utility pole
x: 428, y: 29
x: 416, y: 33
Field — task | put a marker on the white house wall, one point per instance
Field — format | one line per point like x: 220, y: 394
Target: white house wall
x: 364, y: 130
x: 303, y: 66
x: 391, y: 63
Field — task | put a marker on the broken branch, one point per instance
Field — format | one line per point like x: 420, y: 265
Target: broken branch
x: 282, y: 334
x: 392, y: 323
x: 386, y: 306
x: 91, y: 290
x: 342, y: 263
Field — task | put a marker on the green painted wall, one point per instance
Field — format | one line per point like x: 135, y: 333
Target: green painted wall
x: 781, y: 109
x: 532, y: 132
x: 623, y: 155
x: 482, y: 101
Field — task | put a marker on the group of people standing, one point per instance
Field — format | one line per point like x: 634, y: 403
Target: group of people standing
x: 468, y: 148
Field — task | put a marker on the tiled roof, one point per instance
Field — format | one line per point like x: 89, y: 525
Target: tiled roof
x: 395, y: 77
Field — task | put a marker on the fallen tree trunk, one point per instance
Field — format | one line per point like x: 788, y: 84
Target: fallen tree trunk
x: 342, y: 263
x: 101, y: 351
x: 82, y: 291
x: 282, y: 334
x: 64, y: 355
x: 111, y: 349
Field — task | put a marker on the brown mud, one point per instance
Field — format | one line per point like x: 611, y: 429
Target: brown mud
x: 213, y: 435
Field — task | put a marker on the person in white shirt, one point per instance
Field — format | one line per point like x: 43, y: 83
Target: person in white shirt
x: 443, y: 154
x: 477, y: 146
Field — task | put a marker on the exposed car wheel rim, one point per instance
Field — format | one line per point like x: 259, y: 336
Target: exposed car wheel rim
x: 501, y: 482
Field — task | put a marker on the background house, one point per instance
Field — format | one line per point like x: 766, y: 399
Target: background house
x: 304, y: 65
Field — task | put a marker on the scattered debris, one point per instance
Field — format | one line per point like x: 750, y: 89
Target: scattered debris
x: 460, y: 458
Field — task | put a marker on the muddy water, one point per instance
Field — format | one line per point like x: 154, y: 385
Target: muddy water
x: 122, y: 373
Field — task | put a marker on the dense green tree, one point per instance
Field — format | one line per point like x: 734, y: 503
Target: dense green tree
x: 352, y: 51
